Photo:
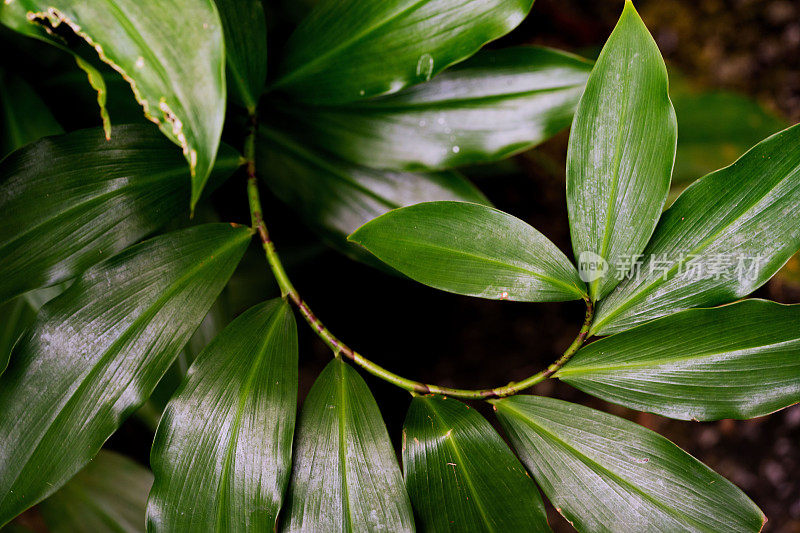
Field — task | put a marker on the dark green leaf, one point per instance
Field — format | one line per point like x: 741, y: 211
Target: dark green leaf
x: 621, y: 152
x: 737, y: 361
x: 96, y: 352
x: 604, y: 473
x: 460, y: 474
x: 345, y: 475
x: 175, y: 64
x: 471, y: 249
x: 346, y: 50
x: 222, y: 453
x: 24, y: 118
x: 724, y: 237
x: 16, y: 315
x: 335, y: 197
x: 489, y: 107
x: 245, y: 48
x: 12, y: 17
x: 72, y: 200
x: 108, y: 495
x: 716, y: 127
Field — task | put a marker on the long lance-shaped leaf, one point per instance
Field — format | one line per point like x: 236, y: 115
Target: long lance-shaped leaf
x: 606, y: 474
x: 245, y: 30
x: 737, y: 361
x: 96, y: 352
x: 24, y: 118
x: 346, y: 50
x: 71, y: 200
x: 345, y: 475
x: 724, y: 237
x: 175, y: 64
x: 461, y: 475
x: 621, y: 153
x: 108, y: 495
x: 222, y: 453
x: 335, y: 197
x: 471, y: 249
x: 491, y: 106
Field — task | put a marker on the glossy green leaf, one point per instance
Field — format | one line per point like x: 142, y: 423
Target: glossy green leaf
x: 724, y: 237
x: 460, y: 474
x: 70, y: 201
x: 471, y: 249
x: 16, y: 315
x: 716, y: 127
x: 175, y: 64
x: 108, y: 496
x: 606, y: 474
x: 736, y: 361
x: 346, y: 50
x: 24, y: 118
x: 245, y: 31
x: 222, y: 453
x: 345, y: 475
x: 621, y: 152
x: 489, y: 107
x: 335, y: 197
x: 96, y: 352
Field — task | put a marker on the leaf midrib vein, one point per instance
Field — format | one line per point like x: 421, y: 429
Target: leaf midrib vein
x: 543, y: 277
x: 652, y: 363
x: 603, y: 470
x: 457, y: 452
x: 256, y: 363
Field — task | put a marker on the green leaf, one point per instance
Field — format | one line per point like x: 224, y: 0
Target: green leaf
x: 98, y: 83
x: 222, y: 453
x: 335, y: 197
x: 621, y: 152
x: 737, y: 361
x: 24, y: 118
x: 491, y: 106
x: 70, y: 201
x: 175, y: 64
x: 108, y: 495
x: 604, y: 473
x: 346, y: 50
x: 716, y: 128
x: 345, y: 475
x: 471, y: 249
x: 461, y: 475
x: 245, y: 31
x: 16, y: 315
x: 96, y: 352
x: 724, y: 237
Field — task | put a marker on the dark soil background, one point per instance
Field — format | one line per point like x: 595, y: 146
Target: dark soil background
x: 744, y: 45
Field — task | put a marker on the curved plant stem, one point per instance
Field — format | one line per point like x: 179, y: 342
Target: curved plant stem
x: 340, y: 349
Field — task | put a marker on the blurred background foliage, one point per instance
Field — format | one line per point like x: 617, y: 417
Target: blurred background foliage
x: 735, y: 79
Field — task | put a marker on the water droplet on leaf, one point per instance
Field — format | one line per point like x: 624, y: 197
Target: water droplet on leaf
x: 425, y: 66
